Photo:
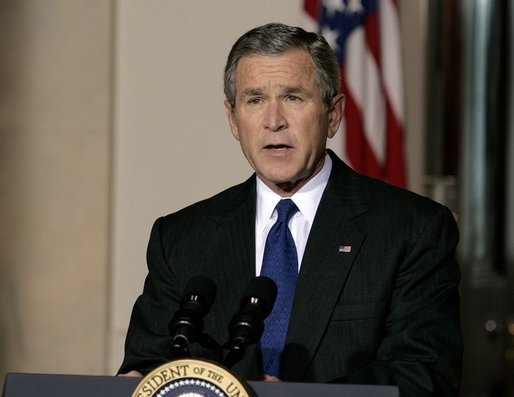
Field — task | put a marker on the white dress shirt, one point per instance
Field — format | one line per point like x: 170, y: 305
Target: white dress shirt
x: 306, y: 199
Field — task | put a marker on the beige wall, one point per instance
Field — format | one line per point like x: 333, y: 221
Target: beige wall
x: 55, y: 101
x: 76, y: 209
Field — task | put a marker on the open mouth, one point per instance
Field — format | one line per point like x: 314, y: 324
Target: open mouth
x: 277, y: 147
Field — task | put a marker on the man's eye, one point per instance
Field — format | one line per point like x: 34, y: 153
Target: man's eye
x: 254, y: 101
x: 293, y: 98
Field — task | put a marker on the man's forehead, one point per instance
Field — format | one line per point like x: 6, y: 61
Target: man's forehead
x: 252, y: 58
x: 291, y: 65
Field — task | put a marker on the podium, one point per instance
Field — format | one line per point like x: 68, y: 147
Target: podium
x: 48, y: 385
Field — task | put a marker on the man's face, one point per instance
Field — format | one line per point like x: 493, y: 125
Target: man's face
x: 280, y: 120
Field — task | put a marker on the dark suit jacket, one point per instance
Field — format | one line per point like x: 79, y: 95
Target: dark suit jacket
x: 384, y: 309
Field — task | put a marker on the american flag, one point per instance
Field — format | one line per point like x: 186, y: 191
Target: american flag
x: 365, y: 37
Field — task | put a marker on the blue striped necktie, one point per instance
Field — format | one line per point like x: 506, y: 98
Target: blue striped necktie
x: 280, y: 263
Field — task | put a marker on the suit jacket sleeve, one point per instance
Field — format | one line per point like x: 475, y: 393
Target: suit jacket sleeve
x: 148, y: 338
x: 207, y: 238
x: 421, y: 349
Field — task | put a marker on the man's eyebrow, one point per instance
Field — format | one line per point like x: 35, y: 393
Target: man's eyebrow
x: 252, y: 91
x: 286, y: 89
x: 293, y: 89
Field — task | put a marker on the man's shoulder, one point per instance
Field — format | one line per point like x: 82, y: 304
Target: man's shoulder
x: 219, y: 205
x: 381, y: 209
x: 379, y: 200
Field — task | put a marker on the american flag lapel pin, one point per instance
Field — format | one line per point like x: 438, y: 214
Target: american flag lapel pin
x: 345, y: 248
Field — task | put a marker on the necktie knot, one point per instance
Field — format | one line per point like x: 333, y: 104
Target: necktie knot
x: 285, y: 210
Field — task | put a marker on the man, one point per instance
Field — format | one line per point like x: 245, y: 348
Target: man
x: 376, y: 290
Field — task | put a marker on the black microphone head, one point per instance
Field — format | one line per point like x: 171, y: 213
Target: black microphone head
x: 203, y: 289
x: 187, y: 323
x: 247, y: 324
x: 261, y: 290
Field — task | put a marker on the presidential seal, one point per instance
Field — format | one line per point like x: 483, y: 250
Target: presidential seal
x: 191, y: 378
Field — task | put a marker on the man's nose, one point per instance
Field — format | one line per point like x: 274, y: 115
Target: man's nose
x: 275, y: 119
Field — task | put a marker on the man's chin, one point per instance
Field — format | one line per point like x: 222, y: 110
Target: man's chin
x: 285, y: 187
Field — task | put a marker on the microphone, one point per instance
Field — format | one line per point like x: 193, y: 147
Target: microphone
x: 186, y: 325
x: 247, y: 324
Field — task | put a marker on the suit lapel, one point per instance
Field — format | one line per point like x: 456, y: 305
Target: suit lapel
x: 332, y: 247
x: 232, y: 237
x: 233, y: 262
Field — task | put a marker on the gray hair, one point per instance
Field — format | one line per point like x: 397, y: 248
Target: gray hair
x: 277, y: 38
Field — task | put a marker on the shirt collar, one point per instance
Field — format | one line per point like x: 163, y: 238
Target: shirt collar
x: 306, y: 199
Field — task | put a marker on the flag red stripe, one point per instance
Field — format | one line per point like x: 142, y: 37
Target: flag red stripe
x: 311, y: 7
x: 358, y: 150
x: 372, y: 40
x: 395, y: 167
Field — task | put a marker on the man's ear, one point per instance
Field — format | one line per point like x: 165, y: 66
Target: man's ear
x: 335, y: 115
x: 229, y: 110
